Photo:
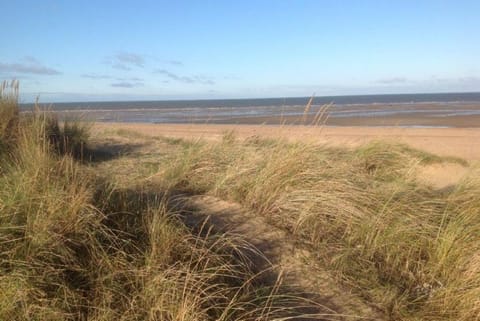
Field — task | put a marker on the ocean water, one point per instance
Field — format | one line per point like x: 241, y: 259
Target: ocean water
x: 444, y: 105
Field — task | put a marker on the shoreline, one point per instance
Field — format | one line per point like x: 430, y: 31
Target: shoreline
x: 457, y: 115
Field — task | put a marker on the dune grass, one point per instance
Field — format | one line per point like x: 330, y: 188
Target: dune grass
x: 411, y: 250
x: 76, y: 244
x: 73, y: 246
x: 8, y: 113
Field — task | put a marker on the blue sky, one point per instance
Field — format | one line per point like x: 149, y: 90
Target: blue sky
x: 123, y: 50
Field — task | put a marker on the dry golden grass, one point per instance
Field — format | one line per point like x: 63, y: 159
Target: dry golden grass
x: 76, y: 244
x: 73, y: 246
x: 408, y: 248
x: 8, y: 112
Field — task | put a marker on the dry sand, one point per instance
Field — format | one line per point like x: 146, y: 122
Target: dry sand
x: 458, y: 142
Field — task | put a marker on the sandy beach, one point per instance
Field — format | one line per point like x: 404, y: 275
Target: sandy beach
x: 458, y: 142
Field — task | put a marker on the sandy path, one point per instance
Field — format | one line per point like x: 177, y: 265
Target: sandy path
x: 459, y: 142
x: 294, y: 263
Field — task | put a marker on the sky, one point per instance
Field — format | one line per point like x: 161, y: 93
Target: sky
x: 149, y: 50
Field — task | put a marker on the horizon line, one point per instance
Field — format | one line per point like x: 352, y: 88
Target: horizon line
x: 253, y: 98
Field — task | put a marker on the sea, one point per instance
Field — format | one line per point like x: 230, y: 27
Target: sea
x: 258, y: 110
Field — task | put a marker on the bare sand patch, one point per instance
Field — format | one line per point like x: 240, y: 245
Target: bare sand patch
x: 294, y: 263
x: 442, y: 175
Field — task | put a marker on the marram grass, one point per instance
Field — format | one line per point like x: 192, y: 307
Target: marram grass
x: 410, y: 249
x: 74, y: 247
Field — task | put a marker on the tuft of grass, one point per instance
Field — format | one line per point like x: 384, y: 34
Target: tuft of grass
x: 8, y: 113
x: 128, y: 133
x: 66, y: 137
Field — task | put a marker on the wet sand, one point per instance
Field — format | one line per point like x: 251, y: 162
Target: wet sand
x: 459, y: 115
x: 458, y: 142
x: 406, y: 120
